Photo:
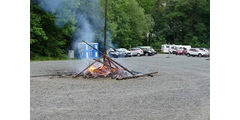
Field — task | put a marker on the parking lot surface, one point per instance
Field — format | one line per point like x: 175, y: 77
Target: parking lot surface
x: 180, y: 91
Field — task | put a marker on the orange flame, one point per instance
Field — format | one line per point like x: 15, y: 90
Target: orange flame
x: 102, y: 70
x: 91, y: 68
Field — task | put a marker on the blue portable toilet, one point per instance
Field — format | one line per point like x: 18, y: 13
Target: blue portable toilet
x: 79, y: 54
x: 85, y: 52
x: 95, y: 52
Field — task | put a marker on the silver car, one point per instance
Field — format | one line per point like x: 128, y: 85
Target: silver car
x: 136, y: 52
x: 124, y: 52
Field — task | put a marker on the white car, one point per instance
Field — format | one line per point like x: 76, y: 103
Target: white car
x: 196, y: 52
x: 124, y: 52
x: 136, y: 51
x: 206, y: 50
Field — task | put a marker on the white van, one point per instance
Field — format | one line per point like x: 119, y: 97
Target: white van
x: 187, y: 46
x: 173, y: 48
x: 166, y: 47
x: 183, y: 46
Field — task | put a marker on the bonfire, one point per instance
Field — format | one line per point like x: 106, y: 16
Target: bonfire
x: 109, y: 68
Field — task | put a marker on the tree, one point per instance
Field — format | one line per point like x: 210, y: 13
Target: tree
x: 128, y: 23
x: 147, y: 5
x: 182, y: 22
x: 45, y: 38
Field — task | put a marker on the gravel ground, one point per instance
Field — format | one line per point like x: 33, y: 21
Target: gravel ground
x: 180, y: 91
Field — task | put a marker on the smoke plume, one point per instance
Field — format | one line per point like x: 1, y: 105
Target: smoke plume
x: 85, y: 15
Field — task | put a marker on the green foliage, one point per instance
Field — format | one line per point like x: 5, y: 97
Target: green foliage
x: 182, y: 22
x: 45, y: 38
x: 147, y: 5
x: 130, y: 23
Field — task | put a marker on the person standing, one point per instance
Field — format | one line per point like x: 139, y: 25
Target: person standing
x: 168, y: 53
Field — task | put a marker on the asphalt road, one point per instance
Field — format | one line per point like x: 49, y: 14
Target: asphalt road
x: 180, y: 91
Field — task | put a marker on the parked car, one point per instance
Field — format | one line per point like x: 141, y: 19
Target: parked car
x: 113, y: 53
x: 173, y: 49
x: 153, y: 51
x: 147, y: 50
x: 124, y: 52
x: 136, y: 51
x: 205, y: 50
x: 180, y: 52
x: 185, y: 47
x: 196, y: 52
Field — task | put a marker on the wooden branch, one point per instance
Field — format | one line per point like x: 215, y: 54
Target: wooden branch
x: 114, y: 64
x: 45, y: 75
x: 136, y: 76
x: 122, y: 67
x: 94, y: 48
x: 57, y: 74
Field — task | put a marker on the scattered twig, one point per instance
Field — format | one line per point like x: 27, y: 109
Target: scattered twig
x: 57, y: 74
x: 136, y: 76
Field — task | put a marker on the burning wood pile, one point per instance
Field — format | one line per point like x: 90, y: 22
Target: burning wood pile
x: 104, y: 69
x: 109, y: 68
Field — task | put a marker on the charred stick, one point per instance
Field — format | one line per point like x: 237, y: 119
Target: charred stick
x: 114, y: 64
x: 109, y: 58
x: 136, y: 76
x: 149, y: 74
x: 123, y: 67
x: 45, y: 75
x: 57, y: 74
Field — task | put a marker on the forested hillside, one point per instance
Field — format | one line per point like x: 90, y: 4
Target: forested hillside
x: 130, y: 23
